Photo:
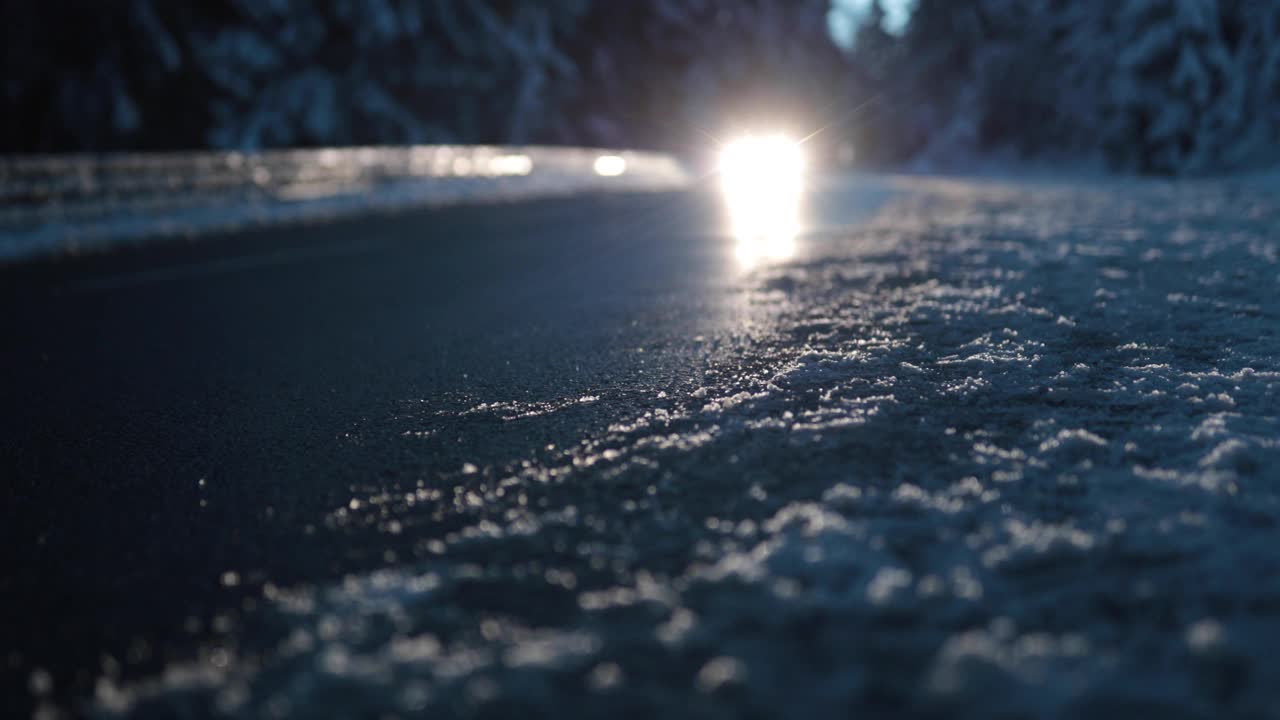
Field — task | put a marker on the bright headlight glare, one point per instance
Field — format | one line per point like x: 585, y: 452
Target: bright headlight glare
x: 763, y: 179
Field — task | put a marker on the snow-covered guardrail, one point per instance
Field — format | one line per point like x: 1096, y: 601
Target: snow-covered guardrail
x: 52, y: 205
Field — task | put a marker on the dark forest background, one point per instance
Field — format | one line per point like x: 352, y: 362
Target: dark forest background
x: 1149, y: 86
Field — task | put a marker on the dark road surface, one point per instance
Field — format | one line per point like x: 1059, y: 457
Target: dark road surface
x: 176, y: 415
x: 979, y: 449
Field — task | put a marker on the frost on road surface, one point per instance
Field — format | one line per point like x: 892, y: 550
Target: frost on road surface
x: 1003, y: 451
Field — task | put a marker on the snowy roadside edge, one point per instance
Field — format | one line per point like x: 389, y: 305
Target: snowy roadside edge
x: 68, y: 205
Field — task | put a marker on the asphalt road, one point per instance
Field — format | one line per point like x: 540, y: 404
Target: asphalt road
x: 979, y: 449
x: 178, y: 413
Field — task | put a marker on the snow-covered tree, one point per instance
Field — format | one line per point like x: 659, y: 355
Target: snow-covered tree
x: 1188, y: 86
x: 386, y: 71
x: 91, y: 76
x: 268, y: 73
x: 1156, y: 86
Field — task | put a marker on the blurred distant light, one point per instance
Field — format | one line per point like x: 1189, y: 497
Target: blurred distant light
x: 763, y: 181
x: 610, y: 165
x: 511, y: 165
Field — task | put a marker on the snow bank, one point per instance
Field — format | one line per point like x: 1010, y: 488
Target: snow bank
x: 67, y: 204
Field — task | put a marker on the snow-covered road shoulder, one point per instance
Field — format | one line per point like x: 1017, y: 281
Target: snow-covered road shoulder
x: 55, y: 205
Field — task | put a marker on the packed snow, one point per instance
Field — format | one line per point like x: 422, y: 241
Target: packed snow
x: 1008, y: 449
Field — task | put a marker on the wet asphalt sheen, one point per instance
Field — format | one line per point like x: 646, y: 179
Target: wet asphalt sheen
x: 179, y: 419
